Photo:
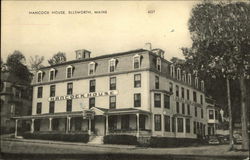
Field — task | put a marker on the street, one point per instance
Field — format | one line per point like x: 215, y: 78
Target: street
x: 27, y: 150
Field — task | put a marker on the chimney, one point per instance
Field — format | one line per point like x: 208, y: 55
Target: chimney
x: 82, y: 54
x: 158, y: 52
x: 148, y: 46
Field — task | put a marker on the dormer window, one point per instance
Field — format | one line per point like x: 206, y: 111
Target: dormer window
x: 137, y: 61
x: 91, y: 68
x: 184, y: 76
x: 178, y: 74
x: 112, y: 65
x: 189, y: 79
x: 202, y: 86
x: 39, y: 76
x: 196, y: 81
x: 52, y: 74
x: 69, y: 71
x: 172, y: 71
x: 158, y: 63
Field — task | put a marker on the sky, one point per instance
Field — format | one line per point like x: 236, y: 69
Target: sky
x: 126, y: 25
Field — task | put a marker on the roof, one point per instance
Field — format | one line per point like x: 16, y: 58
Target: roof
x: 95, y: 58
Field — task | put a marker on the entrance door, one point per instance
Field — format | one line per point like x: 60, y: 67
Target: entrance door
x: 93, y: 126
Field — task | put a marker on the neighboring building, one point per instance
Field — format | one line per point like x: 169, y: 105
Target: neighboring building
x: 213, y: 114
x: 16, y: 100
x: 136, y: 92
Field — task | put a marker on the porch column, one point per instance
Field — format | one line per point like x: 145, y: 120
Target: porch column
x: 107, y: 124
x: 69, y: 119
x: 50, y: 124
x: 16, y: 128
x: 138, y: 127
x: 89, y: 131
x: 32, y: 126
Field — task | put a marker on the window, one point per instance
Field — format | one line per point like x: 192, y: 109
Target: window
x: 112, y: 83
x: 177, y: 90
x: 92, y: 85
x: 69, y: 71
x: 157, y: 98
x: 194, y: 127
x: 189, y: 79
x: 158, y: 63
x: 157, y: 122
x: 188, y: 109
x: 184, y: 78
x: 137, y: 100
x: 112, y: 102
x: 112, y: 122
x: 112, y: 65
x: 195, y: 111
x: 137, y: 62
x: 194, y: 96
x: 196, y: 82
x: 52, y: 91
x: 69, y: 88
x: 167, y: 123
x: 173, y: 124
x: 170, y: 87
x: 52, y: 74
x: 177, y: 107
x: 137, y: 80
x: 39, y: 76
x: 91, y: 68
x: 157, y: 82
x: 125, y: 122
x: 172, y: 69
x: 201, y: 113
x: 166, y: 101
x: 55, y: 124
x: 40, y: 92
x: 69, y: 105
x: 187, y: 94
x: 39, y: 108
x: 182, y: 92
x: 183, y: 108
x: 178, y: 74
x: 201, y: 99
x: 188, y: 126
x: 180, y: 124
x: 211, y: 114
x: 202, y: 86
x: 91, y: 102
x: 52, y: 107
x: 142, y: 121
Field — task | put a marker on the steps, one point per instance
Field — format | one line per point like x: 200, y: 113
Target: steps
x: 96, y: 140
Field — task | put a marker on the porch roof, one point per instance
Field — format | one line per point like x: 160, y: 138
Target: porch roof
x: 125, y: 111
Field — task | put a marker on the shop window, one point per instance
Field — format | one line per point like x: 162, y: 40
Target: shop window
x: 157, y: 100
x: 180, y: 124
x: 157, y: 122
x: 167, y: 123
x: 137, y: 100
x: 52, y: 107
x: 166, y: 101
x: 137, y: 80
x: 91, y: 102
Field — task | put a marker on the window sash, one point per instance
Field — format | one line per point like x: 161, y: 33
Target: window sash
x: 112, y: 83
x: 137, y: 100
x: 157, y: 100
x: 92, y: 86
x: 166, y: 101
x: 188, y: 126
x: 69, y: 72
x: 137, y: 80
x: 183, y: 108
x: 52, y: 73
x: 167, y: 123
x: 39, y: 77
x: 40, y: 92
x: 52, y: 90
x: 91, y: 102
x: 51, y: 107
x: 177, y: 91
x: 177, y: 107
x: 112, y: 102
x: 157, y: 122
x: 180, y: 124
x: 157, y: 82
x: 39, y: 108
x: 69, y: 88
x: 69, y: 105
x: 136, y: 62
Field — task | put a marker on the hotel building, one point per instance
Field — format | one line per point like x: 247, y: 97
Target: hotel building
x: 136, y: 93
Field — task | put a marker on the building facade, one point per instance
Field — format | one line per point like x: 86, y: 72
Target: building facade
x: 136, y: 92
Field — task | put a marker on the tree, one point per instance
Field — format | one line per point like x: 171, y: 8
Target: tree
x: 15, y: 63
x: 57, y: 58
x: 36, y: 62
x: 221, y: 44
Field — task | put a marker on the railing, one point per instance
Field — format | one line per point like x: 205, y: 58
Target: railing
x: 142, y: 132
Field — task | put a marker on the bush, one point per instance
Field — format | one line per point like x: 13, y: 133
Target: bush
x: 120, y: 139
x: 173, y: 142
x: 58, y: 137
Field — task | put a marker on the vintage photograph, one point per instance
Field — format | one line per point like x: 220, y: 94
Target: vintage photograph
x: 125, y: 80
